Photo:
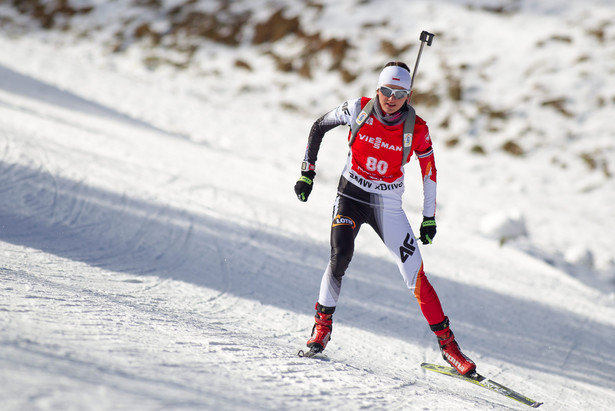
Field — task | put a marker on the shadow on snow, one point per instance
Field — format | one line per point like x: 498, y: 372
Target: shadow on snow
x: 25, y: 86
x: 121, y: 234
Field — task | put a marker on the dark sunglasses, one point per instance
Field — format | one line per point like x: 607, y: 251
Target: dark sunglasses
x: 397, y: 94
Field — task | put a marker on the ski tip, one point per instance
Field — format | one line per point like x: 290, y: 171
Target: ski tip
x: 536, y: 404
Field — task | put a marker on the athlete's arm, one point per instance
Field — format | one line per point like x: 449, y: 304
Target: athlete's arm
x: 342, y: 115
x: 424, y: 153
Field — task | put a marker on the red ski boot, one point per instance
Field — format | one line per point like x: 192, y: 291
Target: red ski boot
x: 321, y: 333
x: 450, y: 349
x: 453, y: 355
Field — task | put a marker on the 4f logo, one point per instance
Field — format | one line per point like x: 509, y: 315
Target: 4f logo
x: 407, y: 249
x: 345, y: 108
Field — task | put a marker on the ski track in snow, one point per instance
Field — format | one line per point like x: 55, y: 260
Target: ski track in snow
x: 112, y: 300
x: 142, y: 270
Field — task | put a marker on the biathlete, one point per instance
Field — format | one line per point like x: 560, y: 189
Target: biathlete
x: 384, y: 133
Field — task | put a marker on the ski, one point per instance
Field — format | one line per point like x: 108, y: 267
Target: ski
x: 481, y: 381
x: 312, y: 352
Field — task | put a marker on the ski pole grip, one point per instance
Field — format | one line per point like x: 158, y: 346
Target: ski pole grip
x: 426, y: 37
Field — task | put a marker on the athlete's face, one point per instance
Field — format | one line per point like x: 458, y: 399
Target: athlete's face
x: 391, y: 104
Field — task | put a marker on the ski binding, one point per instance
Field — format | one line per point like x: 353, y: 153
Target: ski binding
x: 315, y: 349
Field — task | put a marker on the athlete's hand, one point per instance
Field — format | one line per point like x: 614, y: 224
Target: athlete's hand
x: 428, y: 229
x: 303, y: 187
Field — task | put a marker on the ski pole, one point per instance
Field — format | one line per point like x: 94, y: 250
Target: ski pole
x: 425, y: 37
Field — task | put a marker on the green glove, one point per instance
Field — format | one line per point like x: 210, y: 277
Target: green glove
x: 303, y: 187
x: 428, y: 229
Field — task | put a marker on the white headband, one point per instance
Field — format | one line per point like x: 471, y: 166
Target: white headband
x: 395, y: 75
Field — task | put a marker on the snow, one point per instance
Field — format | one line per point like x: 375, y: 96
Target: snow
x: 504, y: 226
x: 154, y: 255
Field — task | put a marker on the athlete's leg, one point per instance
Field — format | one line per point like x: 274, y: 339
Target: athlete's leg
x: 428, y: 300
x: 397, y: 235
x: 344, y: 229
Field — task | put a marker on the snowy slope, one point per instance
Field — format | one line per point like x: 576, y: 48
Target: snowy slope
x: 155, y: 257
